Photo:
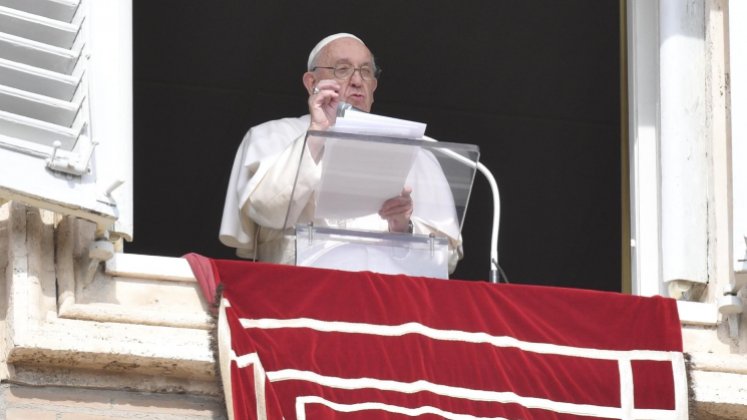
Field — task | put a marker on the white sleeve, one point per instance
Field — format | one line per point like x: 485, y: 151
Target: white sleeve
x: 262, y: 168
x: 267, y: 198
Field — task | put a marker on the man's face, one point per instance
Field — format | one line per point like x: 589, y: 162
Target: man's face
x: 354, y: 89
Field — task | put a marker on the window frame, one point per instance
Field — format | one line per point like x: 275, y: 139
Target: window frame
x: 727, y: 147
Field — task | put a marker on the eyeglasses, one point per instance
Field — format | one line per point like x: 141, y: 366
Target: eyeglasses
x: 344, y: 71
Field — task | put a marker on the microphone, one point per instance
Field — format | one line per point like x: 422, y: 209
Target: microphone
x: 343, y: 107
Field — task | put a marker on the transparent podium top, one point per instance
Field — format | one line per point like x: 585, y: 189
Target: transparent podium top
x: 342, y: 180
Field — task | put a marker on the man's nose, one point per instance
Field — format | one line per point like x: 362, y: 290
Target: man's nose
x: 356, y: 79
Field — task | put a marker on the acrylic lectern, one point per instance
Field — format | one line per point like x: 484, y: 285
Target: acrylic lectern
x: 340, y: 183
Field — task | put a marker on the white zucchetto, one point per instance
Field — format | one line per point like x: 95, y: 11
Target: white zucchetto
x: 323, y: 43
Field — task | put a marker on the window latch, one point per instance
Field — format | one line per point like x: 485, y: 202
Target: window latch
x: 73, y: 164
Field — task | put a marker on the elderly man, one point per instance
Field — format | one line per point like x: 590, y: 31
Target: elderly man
x: 256, y: 217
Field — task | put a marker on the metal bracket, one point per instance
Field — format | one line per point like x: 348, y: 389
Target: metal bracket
x: 77, y: 164
x: 99, y: 251
x: 731, y: 308
x: 106, y: 197
x: 311, y: 233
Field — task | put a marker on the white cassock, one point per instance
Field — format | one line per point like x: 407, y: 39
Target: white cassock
x: 256, y: 220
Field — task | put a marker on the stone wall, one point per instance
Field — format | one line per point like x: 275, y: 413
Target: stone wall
x: 65, y: 403
x: 89, y: 333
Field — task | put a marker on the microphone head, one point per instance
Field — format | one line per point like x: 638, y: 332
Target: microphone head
x: 342, y: 107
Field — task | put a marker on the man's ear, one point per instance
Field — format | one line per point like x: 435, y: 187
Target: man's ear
x: 309, y: 81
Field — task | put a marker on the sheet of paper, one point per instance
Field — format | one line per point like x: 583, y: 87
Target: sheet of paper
x: 360, y: 122
x: 358, y: 176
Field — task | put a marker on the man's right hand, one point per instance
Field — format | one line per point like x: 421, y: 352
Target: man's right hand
x: 323, y: 104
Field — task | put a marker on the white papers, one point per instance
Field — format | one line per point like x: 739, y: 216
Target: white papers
x: 359, y: 122
x: 358, y: 176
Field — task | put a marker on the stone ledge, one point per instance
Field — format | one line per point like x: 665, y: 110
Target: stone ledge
x: 68, y: 322
x: 150, y: 267
x: 140, y: 349
x: 723, y: 363
x: 19, y: 402
x: 719, y: 384
x: 113, y: 379
x: 719, y: 395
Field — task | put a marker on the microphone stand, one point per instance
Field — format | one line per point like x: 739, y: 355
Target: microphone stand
x: 494, y: 267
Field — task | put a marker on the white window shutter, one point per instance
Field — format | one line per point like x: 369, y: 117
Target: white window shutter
x: 738, y: 84
x: 66, y: 108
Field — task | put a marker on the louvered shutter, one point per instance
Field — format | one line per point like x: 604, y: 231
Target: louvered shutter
x: 66, y: 107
